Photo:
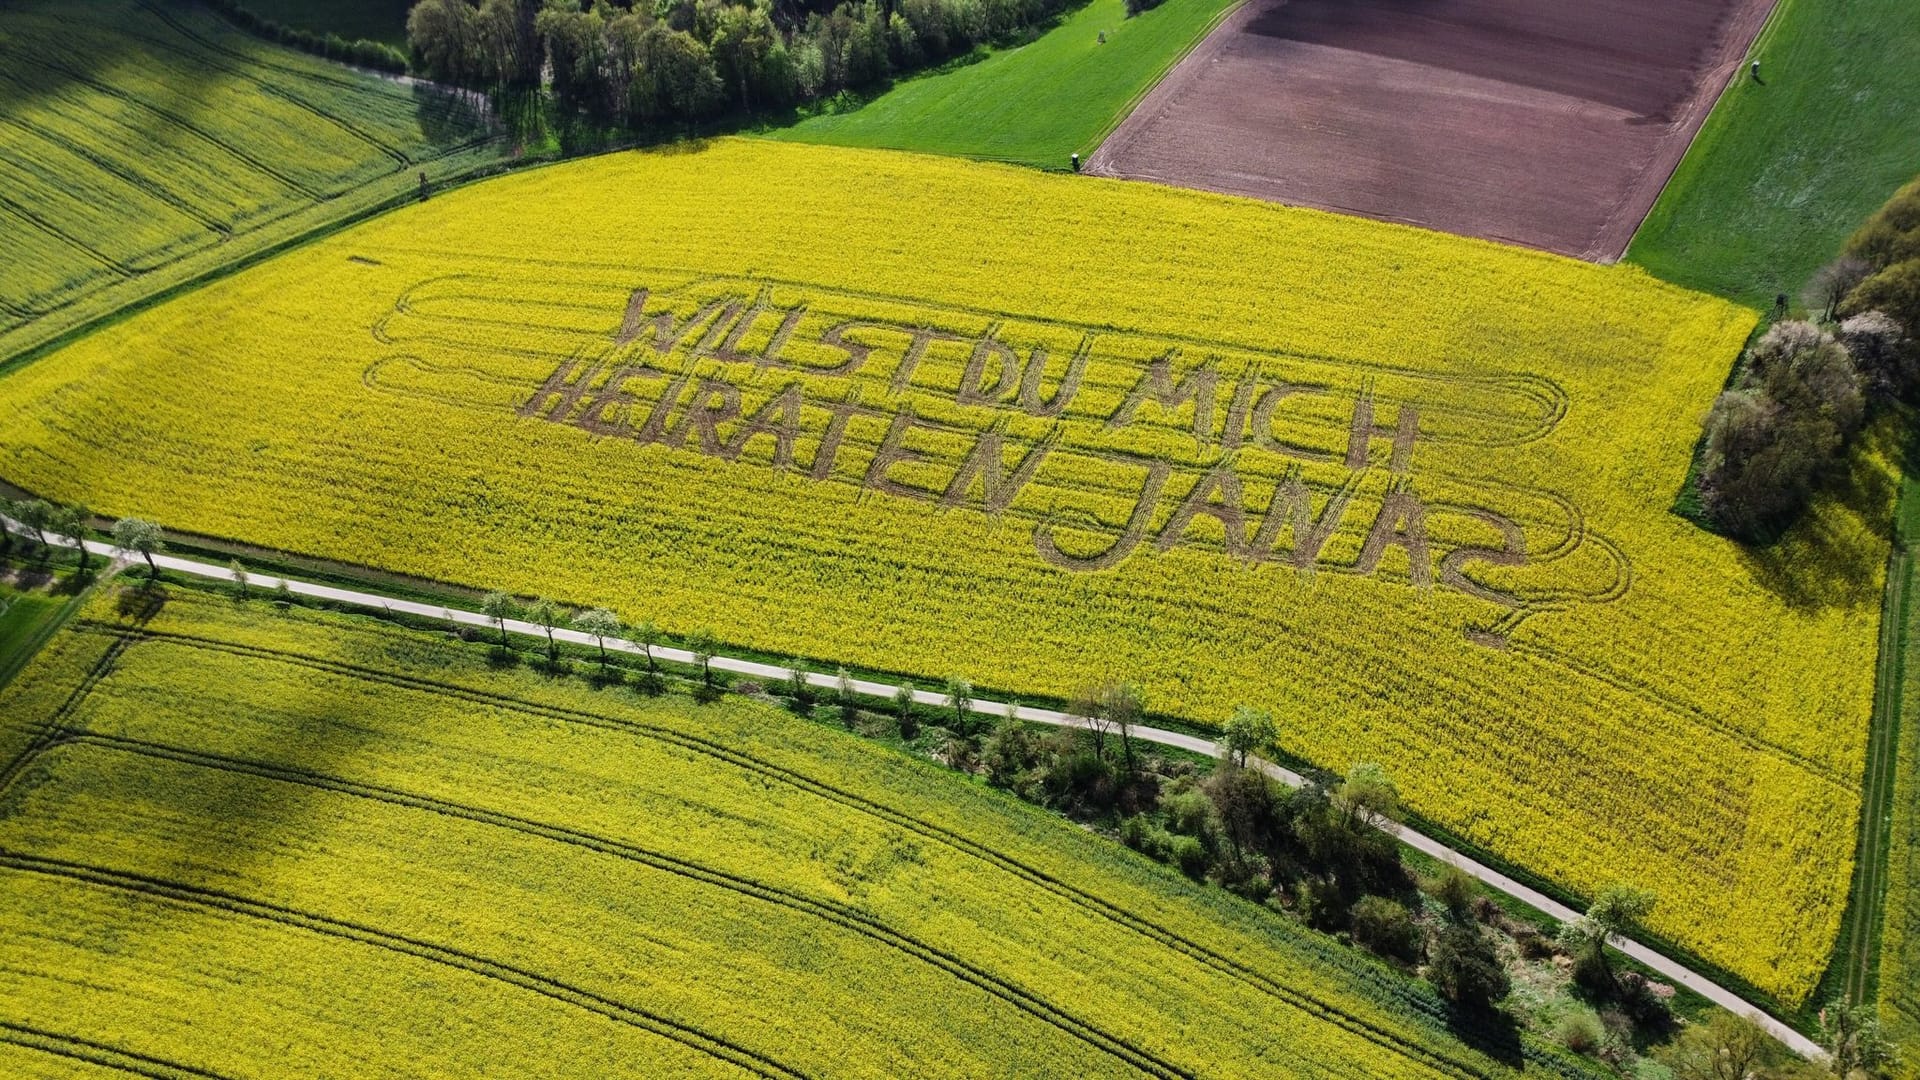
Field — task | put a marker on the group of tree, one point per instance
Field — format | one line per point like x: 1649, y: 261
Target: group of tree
x: 1810, y: 386
x: 655, y: 62
x: 1318, y: 850
x: 38, y: 521
x: 1728, y: 1047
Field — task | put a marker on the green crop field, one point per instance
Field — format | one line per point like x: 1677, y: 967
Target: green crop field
x: 1036, y: 104
x: 144, y: 142
x: 264, y: 834
x: 1784, y: 170
x: 374, y: 20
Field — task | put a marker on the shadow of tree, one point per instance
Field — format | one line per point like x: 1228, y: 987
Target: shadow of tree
x: 1493, y: 1033
x: 1832, y: 557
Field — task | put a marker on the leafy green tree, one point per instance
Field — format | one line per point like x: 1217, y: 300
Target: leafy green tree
x: 1454, y: 889
x: 1123, y: 704
x: 799, y: 688
x: 1722, y: 1047
x: 1618, y: 909
x: 239, y: 575
x: 648, y: 636
x: 1895, y: 291
x: 1465, y: 967
x: 544, y: 613
x: 845, y: 699
x: 37, y: 515
x: 73, y: 522
x: 136, y: 535
x: 1856, y: 1045
x: 960, y: 700
x: 445, y: 36
x: 1247, y: 732
x: 602, y: 624
x: 903, y: 711
x: 1892, y: 234
x: 499, y: 607
x: 701, y: 644
x: 1367, y: 798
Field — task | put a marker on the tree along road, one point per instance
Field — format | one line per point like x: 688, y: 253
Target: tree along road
x: 1533, y: 898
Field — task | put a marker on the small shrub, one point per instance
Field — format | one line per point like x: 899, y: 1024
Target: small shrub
x: 1386, y: 929
x: 1189, y: 812
x: 1190, y: 855
x: 1581, y: 1032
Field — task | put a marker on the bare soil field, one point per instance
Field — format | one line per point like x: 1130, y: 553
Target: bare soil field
x: 1548, y: 125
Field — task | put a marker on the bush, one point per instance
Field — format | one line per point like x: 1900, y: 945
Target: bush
x: 1189, y: 812
x: 1892, y: 234
x: 1082, y: 784
x: 1386, y: 929
x: 1135, y: 7
x: 1581, y: 1032
x: 1886, y: 360
x: 1454, y: 889
x: 1142, y: 835
x: 1895, y: 291
x: 1809, y: 373
x: 1190, y: 855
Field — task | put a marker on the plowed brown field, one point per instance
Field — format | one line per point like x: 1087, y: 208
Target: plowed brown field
x: 1549, y: 125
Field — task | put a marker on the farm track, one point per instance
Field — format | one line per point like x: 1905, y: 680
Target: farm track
x: 190, y: 896
x: 1113, y: 913
x: 75, y: 1048
x: 841, y: 915
x: 1868, y: 901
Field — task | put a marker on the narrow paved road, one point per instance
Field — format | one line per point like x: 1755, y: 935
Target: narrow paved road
x: 1666, y: 968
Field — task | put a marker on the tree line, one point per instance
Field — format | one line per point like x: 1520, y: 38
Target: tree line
x: 37, y: 521
x: 643, y: 64
x: 1810, y: 386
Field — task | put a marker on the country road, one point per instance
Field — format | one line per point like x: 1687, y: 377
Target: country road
x: 1664, y: 966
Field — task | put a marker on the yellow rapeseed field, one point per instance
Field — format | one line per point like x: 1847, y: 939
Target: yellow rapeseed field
x: 263, y: 835
x: 1410, y: 492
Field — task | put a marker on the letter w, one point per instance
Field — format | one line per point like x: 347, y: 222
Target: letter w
x: 667, y: 335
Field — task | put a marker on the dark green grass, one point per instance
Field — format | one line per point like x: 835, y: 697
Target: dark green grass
x: 376, y: 20
x: 27, y: 620
x: 1783, y: 171
x: 1035, y: 104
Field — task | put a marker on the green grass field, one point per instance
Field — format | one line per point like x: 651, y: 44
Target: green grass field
x: 375, y: 20
x: 264, y: 835
x: 26, y: 619
x: 1781, y: 173
x: 1036, y: 104
x: 1896, y: 949
x: 145, y: 141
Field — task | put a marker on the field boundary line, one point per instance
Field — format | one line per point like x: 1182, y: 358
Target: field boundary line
x: 1091, y: 146
x: 1533, y: 898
